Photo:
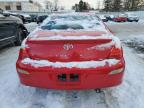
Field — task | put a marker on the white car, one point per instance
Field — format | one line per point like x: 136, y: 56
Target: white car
x: 132, y: 17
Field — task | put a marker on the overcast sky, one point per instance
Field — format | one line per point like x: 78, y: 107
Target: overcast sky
x: 69, y: 3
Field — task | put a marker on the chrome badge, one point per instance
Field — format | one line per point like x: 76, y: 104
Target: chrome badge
x: 68, y: 46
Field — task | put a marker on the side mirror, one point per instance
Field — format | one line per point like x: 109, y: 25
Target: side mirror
x: 6, y: 14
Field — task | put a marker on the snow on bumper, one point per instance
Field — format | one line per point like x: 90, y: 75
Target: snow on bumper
x: 91, y: 75
x: 82, y: 65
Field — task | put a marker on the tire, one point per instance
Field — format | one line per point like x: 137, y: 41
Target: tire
x: 19, y: 37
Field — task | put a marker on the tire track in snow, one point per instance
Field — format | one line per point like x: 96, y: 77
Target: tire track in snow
x: 72, y: 99
x: 109, y: 100
x: 38, y: 99
x: 43, y: 98
x: 90, y: 99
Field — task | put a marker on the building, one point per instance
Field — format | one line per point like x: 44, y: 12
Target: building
x: 25, y: 6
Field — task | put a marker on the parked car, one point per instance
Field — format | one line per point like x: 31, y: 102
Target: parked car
x: 120, y: 18
x: 12, y: 30
x: 71, y: 51
x: 132, y: 17
x: 41, y: 18
x: 18, y: 15
x: 103, y: 18
x: 34, y: 18
x: 109, y: 17
x: 26, y: 18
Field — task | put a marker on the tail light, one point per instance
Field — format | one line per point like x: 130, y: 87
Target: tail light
x: 116, y: 53
x: 116, y: 71
x: 23, y: 53
x: 23, y: 71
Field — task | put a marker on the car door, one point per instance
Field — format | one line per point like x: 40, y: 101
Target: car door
x: 8, y: 29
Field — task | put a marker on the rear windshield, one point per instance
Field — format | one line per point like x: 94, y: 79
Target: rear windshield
x: 74, y: 22
x: 62, y: 26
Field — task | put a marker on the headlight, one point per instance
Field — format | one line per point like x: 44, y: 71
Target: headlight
x: 116, y: 71
x: 22, y: 71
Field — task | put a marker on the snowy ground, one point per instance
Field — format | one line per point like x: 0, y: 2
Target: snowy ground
x: 129, y: 95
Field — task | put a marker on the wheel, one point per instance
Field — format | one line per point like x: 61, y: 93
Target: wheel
x: 130, y: 21
x: 37, y: 22
x: 19, y: 37
x: 137, y: 20
x: 98, y: 90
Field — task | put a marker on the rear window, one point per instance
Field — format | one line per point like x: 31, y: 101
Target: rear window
x: 73, y: 17
x: 62, y: 26
x: 72, y: 22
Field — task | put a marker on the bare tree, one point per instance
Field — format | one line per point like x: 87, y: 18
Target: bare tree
x: 132, y: 5
x: 117, y: 5
x: 82, y: 6
x: 108, y: 5
x: 98, y: 5
x: 135, y: 4
x: 49, y: 5
x: 56, y: 5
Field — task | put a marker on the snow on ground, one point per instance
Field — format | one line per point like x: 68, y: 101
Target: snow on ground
x: 129, y: 95
x: 31, y: 26
x: 137, y: 44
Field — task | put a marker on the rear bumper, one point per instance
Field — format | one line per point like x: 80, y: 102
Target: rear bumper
x: 92, y: 78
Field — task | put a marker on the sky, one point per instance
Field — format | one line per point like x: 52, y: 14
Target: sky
x: 69, y: 3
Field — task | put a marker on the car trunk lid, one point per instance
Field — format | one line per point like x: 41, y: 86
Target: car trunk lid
x: 63, y: 47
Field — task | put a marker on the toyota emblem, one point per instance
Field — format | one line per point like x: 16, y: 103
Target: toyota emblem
x: 68, y: 46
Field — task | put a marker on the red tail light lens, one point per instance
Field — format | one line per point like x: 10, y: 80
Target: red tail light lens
x: 23, y: 53
x: 116, y: 53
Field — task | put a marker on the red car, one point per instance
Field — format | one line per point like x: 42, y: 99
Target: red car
x: 71, y: 52
x: 120, y: 18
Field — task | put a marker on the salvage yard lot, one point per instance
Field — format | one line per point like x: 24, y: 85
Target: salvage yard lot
x: 129, y: 95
